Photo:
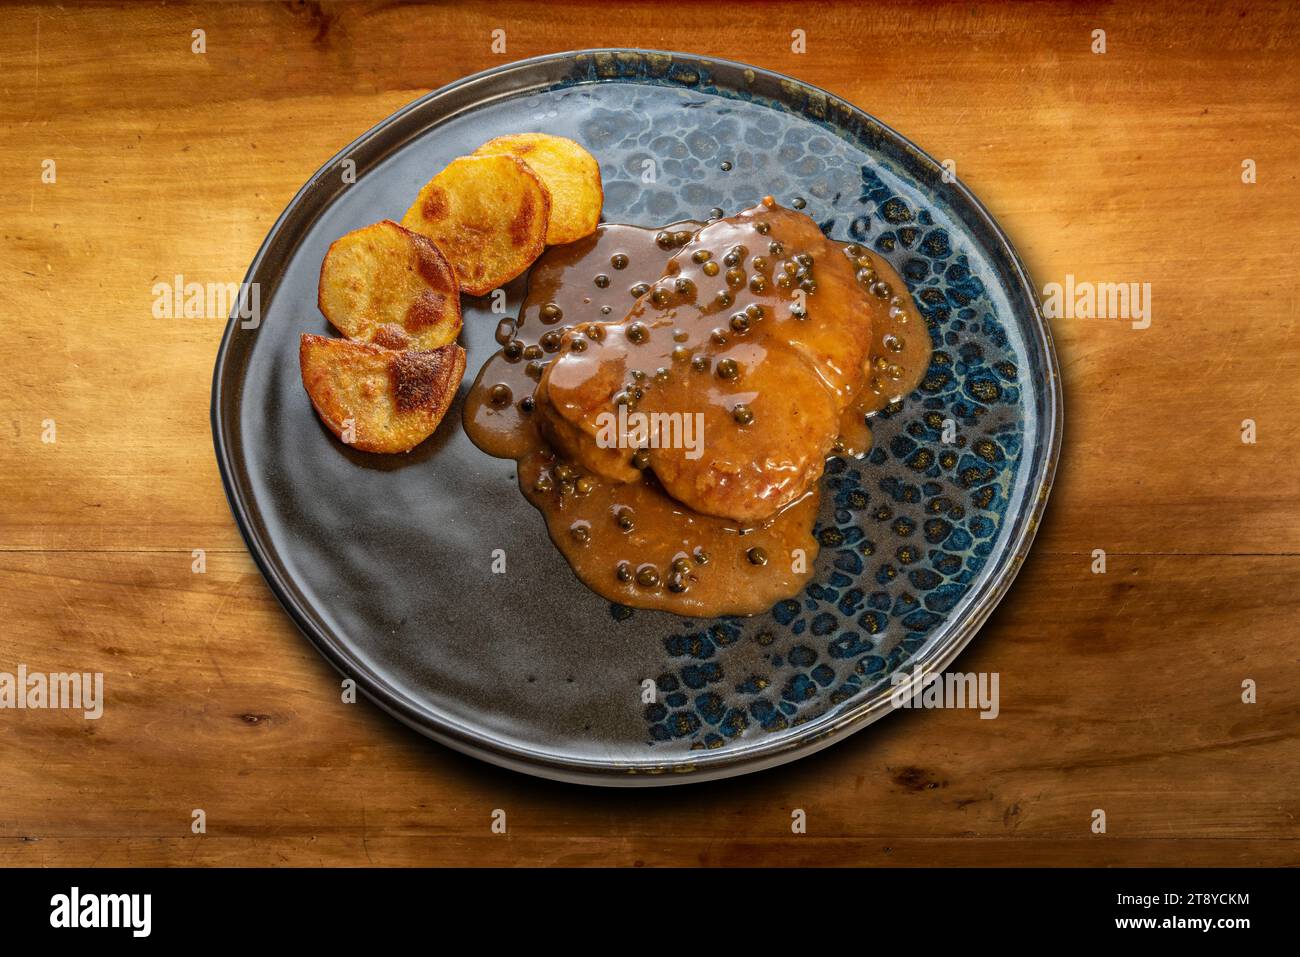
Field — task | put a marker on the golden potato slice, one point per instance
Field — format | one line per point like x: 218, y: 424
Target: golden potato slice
x: 376, y: 399
x: 488, y: 215
x: 388, y: 285
x: 570, y: 174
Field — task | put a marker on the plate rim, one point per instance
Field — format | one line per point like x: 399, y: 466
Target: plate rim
x: 759, y: 755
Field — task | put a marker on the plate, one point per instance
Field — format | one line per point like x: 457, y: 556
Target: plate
x: 386, y: 563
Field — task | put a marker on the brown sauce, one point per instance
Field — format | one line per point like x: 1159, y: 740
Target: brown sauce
x: 771, y: 345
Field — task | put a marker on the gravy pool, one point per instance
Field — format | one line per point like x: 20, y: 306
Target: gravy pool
x: 628, y: 540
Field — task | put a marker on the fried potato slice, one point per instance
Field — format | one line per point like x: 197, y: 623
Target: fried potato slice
x: 390, y: 286
x: 488, y: 215
x: 569, y: 173
x: 376, y: 399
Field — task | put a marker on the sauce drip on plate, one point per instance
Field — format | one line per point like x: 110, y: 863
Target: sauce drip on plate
x: 720, y: 363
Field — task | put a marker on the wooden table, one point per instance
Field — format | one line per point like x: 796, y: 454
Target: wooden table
x: 1120, y: 691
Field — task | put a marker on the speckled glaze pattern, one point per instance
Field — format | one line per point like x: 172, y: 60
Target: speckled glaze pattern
x: 918, y: 540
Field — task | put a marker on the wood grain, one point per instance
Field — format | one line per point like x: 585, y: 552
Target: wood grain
x: 1120, y: 691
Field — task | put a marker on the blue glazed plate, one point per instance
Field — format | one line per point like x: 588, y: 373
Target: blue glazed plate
x: 385, y: 563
